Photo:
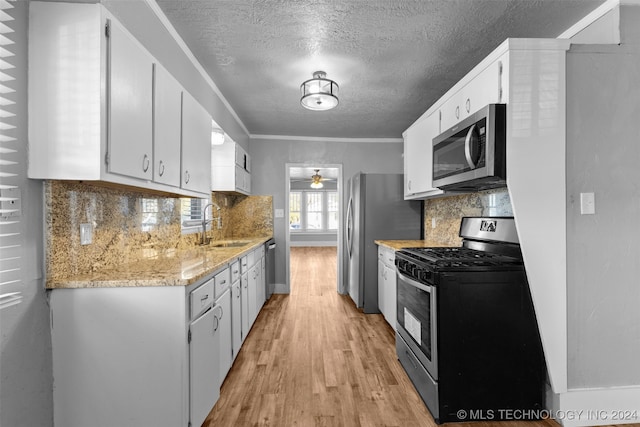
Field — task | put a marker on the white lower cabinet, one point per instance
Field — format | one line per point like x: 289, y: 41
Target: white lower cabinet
x: 253, y: 293
x: 205, y: 340
x: 223, y: 312
x: 236, y: 318
x: 387, y: 292
x: 244, y: 311
x: 123, y: 356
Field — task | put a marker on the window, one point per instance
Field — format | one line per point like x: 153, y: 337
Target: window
x: 295, y: 202
x: 332, y: 210
x: 313, y: 211
x: 191, y: 214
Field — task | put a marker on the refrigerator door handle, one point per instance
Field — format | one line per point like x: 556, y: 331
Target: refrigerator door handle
x: 349, y: 225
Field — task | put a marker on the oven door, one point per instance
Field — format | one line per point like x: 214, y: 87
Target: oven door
x: 417, y: 317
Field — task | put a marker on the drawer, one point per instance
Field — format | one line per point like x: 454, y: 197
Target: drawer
x: 235, y: 271
x: 222, y: 282
x: 201, y: 298
x: 244, y: 264
x: 251, y: 259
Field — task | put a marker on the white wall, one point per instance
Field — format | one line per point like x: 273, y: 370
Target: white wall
x: 270, y: 156
x: 603, y: 155
x: 25, y: 342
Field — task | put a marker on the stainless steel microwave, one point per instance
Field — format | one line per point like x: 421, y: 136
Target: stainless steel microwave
x: 471, y: 155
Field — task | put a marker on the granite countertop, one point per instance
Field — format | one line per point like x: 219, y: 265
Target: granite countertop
x: 174, y: 267
x: 396, y: 245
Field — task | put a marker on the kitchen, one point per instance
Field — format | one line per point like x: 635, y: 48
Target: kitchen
x: 589, y: 364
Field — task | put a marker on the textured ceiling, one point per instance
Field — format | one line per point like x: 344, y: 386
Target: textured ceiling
x: 391, y: 58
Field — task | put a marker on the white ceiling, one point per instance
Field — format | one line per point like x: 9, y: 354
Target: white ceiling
x: 391, y: 58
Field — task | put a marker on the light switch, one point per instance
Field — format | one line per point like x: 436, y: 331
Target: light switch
x: 587, y: 204
x: 279, y: 213
x: 86, y: 234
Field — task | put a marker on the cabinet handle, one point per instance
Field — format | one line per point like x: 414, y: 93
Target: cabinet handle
x: 161, y: 168
x: 221, y: 312
x: 204, y: 298
x: 223, y: 282
x: 409, y: 184
x: 186, y: 177
x: 217, y: 323
x: 458, y: 112
x: 468, y: 105
x: 145, y: 163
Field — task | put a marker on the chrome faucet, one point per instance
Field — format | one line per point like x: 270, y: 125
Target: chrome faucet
x: 203, y: 238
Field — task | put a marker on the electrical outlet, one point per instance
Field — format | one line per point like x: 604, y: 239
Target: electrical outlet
x: 86, y: 234
x: 433, y: 222
x: 587, y: 204
x: 279, y: 213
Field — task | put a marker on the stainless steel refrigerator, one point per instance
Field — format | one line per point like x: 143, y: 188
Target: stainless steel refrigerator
x: 376, y: 211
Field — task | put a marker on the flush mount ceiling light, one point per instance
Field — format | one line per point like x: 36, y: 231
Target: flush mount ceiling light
x: 319, y: 93
x: 316, y: 180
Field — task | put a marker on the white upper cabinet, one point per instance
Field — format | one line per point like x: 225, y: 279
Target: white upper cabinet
x: 485, y: 88
x: 418, y: 152
x: 92, y: 112
x: 230, y: 168
x: 196, y: 146
x: 167, y: 127
x: 130, y: 92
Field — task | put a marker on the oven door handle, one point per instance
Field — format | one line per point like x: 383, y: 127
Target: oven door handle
x: 412, y: 282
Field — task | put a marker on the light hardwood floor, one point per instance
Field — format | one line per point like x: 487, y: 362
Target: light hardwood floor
x: 313, y: 359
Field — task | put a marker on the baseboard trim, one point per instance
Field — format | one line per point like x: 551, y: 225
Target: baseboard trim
x: 593, y: 407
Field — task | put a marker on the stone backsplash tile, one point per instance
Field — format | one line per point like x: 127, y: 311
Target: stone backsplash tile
x: 448, y: 211
x: 130, y: 225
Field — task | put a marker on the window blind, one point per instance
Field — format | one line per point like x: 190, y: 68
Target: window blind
x: 10, y: 238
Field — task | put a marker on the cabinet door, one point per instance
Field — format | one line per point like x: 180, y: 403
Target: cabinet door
x: 381, y: 289
x: 236, y: 317
x: 390, y: 295
x: 196, y: 146
x: 262, y: 285
x: 224, y: 314
x: 418, y: 155
x: 245, y: 305
x: 167, y: 103
x: 485, y: 88
x: 130, y: 105
x: 253, y: 293
x: 204, y: 365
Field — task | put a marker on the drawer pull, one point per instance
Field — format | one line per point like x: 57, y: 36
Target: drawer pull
x: 206, y: 297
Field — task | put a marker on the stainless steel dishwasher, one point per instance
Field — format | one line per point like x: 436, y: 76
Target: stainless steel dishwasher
x: 270, y: 267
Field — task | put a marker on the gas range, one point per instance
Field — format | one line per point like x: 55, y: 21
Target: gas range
x: 466, y: 330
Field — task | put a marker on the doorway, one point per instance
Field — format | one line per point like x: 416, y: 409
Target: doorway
x: 314, y: 204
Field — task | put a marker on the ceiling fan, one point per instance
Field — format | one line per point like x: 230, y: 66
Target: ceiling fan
x: 316, y: 179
